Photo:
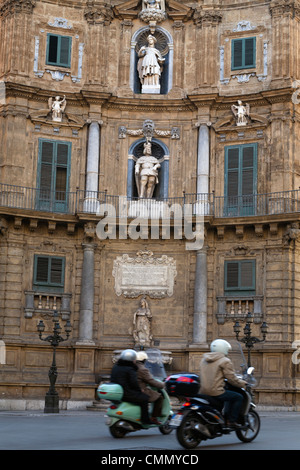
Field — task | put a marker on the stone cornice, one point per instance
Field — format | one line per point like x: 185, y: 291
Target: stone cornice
x: 210, y: 17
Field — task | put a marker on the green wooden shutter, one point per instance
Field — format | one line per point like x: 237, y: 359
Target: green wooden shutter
x: 48, y: 273
x: 240, y: 276
x: 59, y: 50
x: 240, y: 179
x: 243, y: 53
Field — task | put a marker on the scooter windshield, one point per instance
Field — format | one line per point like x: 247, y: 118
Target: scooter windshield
x: 155, y: 363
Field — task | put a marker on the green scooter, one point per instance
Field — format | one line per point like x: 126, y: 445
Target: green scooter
x: 123, y: 417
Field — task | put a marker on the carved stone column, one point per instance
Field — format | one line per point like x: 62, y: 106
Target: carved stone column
x: 200, y: 298
x: 92, y: 168
x: 87, y: 296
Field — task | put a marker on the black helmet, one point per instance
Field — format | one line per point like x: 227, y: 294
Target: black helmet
x: 128, y: 355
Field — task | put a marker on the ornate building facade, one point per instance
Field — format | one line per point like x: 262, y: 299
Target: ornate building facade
x: 118, y: 120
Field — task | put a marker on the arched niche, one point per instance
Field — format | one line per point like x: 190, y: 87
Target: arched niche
x: 159, y: 151
x: 164, y: 44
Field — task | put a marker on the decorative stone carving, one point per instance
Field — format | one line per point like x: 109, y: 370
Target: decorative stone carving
x: 149, y: 131
x: 60, y: 23
x: 241, y: 112
x: 10, y: 7
x: 57, y: 107
x: 98, y: 13
x: 153, y: 12
x: 292, y: 234
x: 144, y: 275
x: 142, y: 325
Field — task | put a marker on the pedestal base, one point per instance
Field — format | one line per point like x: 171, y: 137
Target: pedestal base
x: 151, y: 89
x: 51, y: 404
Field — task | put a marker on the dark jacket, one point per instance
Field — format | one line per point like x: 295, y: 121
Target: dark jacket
x: 124, y: 373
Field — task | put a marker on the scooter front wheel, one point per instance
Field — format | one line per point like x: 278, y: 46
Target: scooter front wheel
x: 117, y: 431
x: 186, y: 433
x: 253, y: 427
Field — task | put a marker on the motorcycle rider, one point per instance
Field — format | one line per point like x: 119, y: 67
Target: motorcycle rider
x: 124, y: 373
x: 145, y: 378
x: 214, y: 368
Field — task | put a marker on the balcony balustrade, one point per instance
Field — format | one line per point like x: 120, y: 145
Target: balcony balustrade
x: 100, y: 203
x: 238, y: 307
x: 46, y: 303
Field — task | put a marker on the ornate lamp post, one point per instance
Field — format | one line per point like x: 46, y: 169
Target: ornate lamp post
x: 248, y: 339
x: 52, y: 398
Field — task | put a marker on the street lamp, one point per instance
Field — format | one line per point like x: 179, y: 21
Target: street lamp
x: 248, y: 339
x: 52, y: 398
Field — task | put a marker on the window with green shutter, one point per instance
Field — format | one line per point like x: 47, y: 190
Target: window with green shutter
x: 58, y: 50
x: 240, y: 277
x: 49, y: 273
x: 243, y: 53
x: 240, y: 179
x: 53, y: 175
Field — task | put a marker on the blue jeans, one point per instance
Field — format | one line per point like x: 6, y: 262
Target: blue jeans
x: 233, y: 402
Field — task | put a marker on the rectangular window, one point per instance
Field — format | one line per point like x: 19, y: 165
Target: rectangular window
x: 243, y: 53
x: 240, y: 179
x: 58, y: 50
x: 53, y: 175
x: 49, y: 273
x: 240, y: 277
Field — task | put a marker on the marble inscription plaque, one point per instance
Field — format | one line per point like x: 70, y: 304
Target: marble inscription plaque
x: 144, y: 274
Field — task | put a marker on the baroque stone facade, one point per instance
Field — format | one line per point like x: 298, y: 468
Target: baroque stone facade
x: 74, y: 118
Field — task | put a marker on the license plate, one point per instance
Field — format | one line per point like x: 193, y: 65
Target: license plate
x: 176, y: 421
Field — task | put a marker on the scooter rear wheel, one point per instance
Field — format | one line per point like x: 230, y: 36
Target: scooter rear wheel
x: 116, y: 431
x: 166, y: 428
x: 186, y: 434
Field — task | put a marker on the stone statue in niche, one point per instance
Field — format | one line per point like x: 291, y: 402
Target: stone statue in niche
x: 241, y: 112
x: 142, y: 325
x: 57, y: 106
x: 146, y: 172
x: 150, y: 66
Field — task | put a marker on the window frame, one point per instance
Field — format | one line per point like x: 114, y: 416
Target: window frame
x: 243, y: 66
x: 58, y: 62
x: 48, y: 286
x: 239, y: 289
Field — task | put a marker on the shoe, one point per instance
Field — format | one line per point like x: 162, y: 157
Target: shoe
x: 155, y: 421
x: 234, y: 425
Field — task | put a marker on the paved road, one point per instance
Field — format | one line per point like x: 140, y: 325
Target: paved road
x: 86, y: 430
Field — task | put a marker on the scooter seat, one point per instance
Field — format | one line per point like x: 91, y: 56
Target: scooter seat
x: 213, y: 401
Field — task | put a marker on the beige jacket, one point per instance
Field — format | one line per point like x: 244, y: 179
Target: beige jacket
x: 145, y: 378
x: 214, y: 368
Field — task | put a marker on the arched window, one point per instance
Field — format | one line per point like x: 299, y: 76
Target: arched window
x: 159, y: 151
x: 164, y: 43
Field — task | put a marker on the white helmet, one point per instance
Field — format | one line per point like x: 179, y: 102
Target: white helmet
x: 128, y: 355
x: 220, y: 345
x: 141, y: 356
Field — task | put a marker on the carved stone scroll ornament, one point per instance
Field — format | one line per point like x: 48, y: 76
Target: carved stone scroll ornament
x: 144, y: 275
x: 148, y: 130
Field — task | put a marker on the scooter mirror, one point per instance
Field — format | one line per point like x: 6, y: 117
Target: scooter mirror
x: 250, y: 370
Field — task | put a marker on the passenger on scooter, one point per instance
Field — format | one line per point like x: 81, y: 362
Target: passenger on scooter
x: 215, y: 367
x: 145, y: 378
x: 124, y: 373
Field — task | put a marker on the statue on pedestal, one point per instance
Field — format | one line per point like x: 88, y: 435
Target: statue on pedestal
x: 146, y: 173
x: 57, y: 106
x: 149, y: 66
x: 240, y: 112
x: 141, y: 325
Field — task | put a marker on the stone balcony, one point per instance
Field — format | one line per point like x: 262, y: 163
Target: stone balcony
x: 46, y: 303
x: 233, y: 308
